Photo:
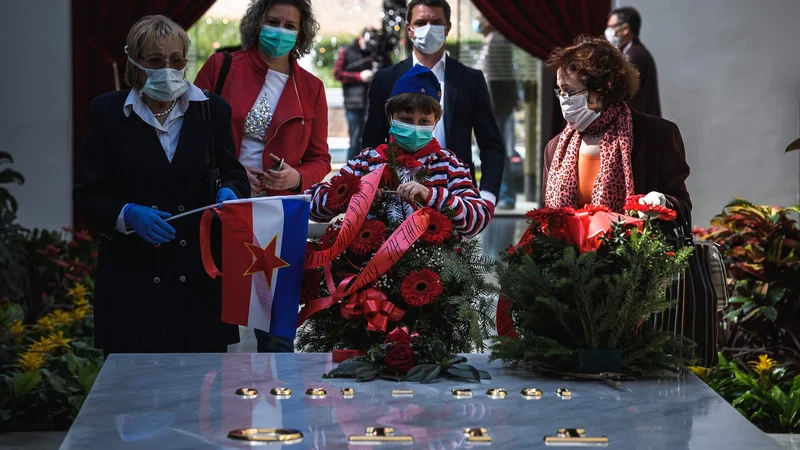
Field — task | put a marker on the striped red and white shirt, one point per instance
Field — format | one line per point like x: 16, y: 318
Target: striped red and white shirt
x: 449, y: 181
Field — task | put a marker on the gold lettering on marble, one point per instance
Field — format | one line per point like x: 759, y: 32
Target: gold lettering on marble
x: 348, y: 392
x: 281, y: 393
x: 496, y: 393
x: 575, y: 437
x: 477, y: 436
x: 564, y: 394
x: 462, y: 393
x: 247, y: 393
x: 378, y: 436
x: 266, y: 435
x: 316, y: 393
x: 402, y: 393
x: 531, y: 393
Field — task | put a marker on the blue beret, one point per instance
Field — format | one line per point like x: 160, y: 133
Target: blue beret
x: 418, y: 80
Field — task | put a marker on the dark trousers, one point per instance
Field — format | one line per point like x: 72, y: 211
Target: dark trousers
x: 355, y: 126
x: 270, y: 343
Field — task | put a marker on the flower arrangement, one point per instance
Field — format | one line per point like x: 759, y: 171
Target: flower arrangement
x: 580, y: 286
x: 408, y: 356
x: 762, y: 390
x: 435, y: 286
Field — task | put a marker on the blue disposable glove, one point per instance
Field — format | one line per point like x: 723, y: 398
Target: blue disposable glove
x: 225, y: 194
x: 149, y: 223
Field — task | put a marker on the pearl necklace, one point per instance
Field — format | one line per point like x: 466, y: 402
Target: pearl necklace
x: 164, y: 113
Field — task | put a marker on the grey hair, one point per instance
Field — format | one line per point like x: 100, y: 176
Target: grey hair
x: 250, y: 26
x: 150, y: 28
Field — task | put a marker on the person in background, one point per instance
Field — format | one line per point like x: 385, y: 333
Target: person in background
x: 355, y: 67
x: 413, y: 110
x: 609, y: 151
x: 496, y: 63
x: 622, y: 31
x: 280, y: 114
x: 465, y: 100
x: 144, y: 158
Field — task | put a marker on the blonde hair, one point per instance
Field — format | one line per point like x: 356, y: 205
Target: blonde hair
x: 154, y: 28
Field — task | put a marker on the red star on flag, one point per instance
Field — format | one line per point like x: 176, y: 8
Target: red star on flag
x: 266, y: 260
x: 422, y: 90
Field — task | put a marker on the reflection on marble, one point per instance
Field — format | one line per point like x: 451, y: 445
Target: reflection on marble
x: 188, y: 402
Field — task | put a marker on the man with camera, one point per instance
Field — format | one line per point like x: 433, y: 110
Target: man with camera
x: 355, y: 67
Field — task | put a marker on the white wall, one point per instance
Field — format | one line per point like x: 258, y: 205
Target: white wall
x: 729, y: 75
x: 36, y: 112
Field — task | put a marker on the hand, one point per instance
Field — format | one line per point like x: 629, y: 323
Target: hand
x: 653, y: 199
x: 149, y: 223
x: 413, y: 192
x: 254, y: 176
x: 367, y: 75
x: 225, y: 194
x: 287, y: 178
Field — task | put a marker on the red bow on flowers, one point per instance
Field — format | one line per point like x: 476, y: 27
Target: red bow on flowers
x: 408, y: 161
x: 372, y: 305
x: 587, y: 229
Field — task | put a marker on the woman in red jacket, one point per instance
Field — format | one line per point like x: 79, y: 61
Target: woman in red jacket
x: 280, y: 114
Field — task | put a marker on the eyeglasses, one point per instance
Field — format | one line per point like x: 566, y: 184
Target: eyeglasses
x: 159, y: 62
x: 567, y: 95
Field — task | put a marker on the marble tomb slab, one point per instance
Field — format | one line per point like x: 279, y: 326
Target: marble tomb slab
x: 183, y: 401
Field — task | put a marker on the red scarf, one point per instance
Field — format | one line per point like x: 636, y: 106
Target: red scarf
x: 614, y: 182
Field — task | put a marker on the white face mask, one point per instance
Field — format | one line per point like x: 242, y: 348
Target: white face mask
x: 611, y: 36
x: 576, y: 112
x: 430, y: 38
x: 164, y: 85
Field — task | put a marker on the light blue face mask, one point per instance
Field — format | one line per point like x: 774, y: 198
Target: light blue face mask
x: 411, y: 137
x: 276, y: 41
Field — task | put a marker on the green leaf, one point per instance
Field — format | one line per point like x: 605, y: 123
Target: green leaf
x: 25, y: 382
x: 431, y: 377
x: 795, y: 145
x: 73, y: 363
x: 367, y: 374
x: 349, y: 369
x: 58, y: 383
x: 87, y: 376
x: 485, y: 375
x: 475, y: 374
x: 460, y: 373
x: 416, y: 372
x: 776, y: 294
x: 769, y: 312
x: 458, y: 360
x: 76, y: 401
x: 739, y: 299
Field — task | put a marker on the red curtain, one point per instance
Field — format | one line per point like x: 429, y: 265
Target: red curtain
x: 99, y: 30
x: 539, y: 26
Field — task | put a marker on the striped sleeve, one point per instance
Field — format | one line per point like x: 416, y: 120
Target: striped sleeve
x: 359, y: 166
x: 471, y: 212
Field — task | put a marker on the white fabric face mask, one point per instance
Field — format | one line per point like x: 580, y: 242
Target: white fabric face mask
x: 430, y: 38
x: 576, y: 112
x: 611, y: 36
x: 164, y: 85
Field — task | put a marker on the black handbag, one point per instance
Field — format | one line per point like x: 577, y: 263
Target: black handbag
x: 213, y: 182
x: 700, y: 291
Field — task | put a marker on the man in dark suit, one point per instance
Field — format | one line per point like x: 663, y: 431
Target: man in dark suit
x: 622, y: 30
x: 465, y: 97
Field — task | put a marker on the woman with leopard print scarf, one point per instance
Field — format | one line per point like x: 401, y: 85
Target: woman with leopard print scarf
x: 609, y: 151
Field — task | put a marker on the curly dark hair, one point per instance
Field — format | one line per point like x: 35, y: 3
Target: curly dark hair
x: 600, y: 66
x: 250, y: 26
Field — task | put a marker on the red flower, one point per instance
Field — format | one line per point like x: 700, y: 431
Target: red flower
x: 651, y: 211
x: 310, y: 287
x: 421, y: 287
x: 400, y: 357
x: 524, y: 242
x: 370, y: 238
x: 341, y: 190
x: 439, y: 229
x: 329, y: 236
x: 670, y: 254
x: 409, y: 161
x: 399, y: 335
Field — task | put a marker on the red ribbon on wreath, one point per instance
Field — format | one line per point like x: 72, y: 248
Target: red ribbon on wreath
x: 374, y: 306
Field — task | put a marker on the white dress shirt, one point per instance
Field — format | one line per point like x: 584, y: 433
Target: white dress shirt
x: 168, y: 132
x: 439, y: 131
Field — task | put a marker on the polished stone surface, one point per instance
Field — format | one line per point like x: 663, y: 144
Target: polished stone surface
x: 188, y: 402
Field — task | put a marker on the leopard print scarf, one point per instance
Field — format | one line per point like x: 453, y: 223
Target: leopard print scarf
x: 614, y: 182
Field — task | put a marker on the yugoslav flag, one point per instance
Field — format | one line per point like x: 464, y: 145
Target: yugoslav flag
x: 263, y: 249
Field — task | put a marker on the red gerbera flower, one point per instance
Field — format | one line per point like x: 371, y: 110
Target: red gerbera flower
x: 439, y: 229
x: 341, y: 190
x: 651, y: 211
x: 541, y: 216
x: 310, y: 286
x: 421, y: 287
x: 329, y: 236
x: 369, y: 238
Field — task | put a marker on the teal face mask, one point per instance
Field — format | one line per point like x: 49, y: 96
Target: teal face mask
x: 277, y: 42
x: 411, y: 137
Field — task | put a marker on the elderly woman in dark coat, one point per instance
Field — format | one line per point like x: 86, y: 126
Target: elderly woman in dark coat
x: 145, y: 157
x: 608, y: 150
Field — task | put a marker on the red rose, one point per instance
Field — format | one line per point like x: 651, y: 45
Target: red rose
x: 399, y: 335
x: 400, y: 358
